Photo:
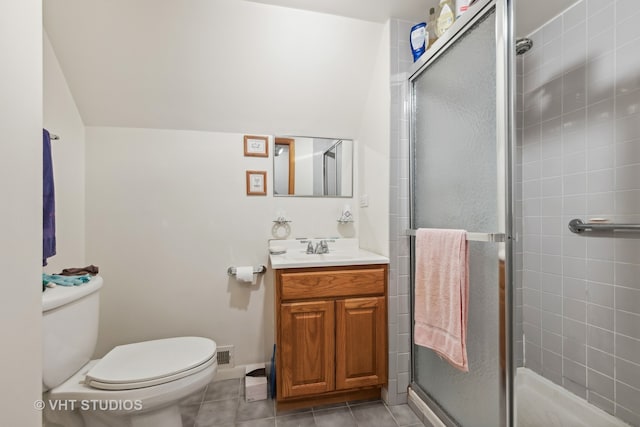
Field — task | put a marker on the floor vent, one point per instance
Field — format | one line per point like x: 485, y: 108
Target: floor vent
x: 225, y: 356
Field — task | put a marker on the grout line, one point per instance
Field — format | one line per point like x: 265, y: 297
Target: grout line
x: 391, y: 413
x: 351, y: 412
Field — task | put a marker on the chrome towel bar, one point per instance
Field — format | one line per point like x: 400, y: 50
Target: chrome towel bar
x: 577, y: 226
x: 475, y: 237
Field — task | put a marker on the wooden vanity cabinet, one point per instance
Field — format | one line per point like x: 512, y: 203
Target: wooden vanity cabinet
x: 331, y: 334
x: 361, y: 342
x: 307, y: 341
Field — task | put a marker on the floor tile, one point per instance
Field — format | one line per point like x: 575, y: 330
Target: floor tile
x: 373, y: 415
x: 255, y: 410
x: 189, y: 414
x: 223, y: 390
x: 264, y: 422
x: 238, y: 413
x: 214, y: 414
x: 334, y: 417
x: 296, y: 420
x: 330, y: 406
x: 362, y: 402
x: 292, y: 411
x: 403, y: 415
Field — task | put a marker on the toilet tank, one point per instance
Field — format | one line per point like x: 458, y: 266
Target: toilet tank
x: 69, y: 329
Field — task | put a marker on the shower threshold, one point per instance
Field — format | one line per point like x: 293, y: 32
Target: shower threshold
x: 541, y: 402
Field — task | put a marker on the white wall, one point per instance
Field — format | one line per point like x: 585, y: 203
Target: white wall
x: 166, y: 210
x: 167, y: 214
x: 21, y: 211
x: 347, y: 172
x: 61, y: 117
x: 373, y: 162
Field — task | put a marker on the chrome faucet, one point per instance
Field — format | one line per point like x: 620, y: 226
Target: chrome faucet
x: 322, y: 247
x: 310, y: 248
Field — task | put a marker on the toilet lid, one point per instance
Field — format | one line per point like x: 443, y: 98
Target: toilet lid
x: 150, y: 363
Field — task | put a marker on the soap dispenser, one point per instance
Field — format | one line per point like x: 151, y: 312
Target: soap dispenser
x: 346, y: 216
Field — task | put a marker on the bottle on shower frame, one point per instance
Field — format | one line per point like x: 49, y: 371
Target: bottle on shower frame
x: 445, y: 16
x: 417, y: 39
x: 461, y: 7
x: 431, y: 27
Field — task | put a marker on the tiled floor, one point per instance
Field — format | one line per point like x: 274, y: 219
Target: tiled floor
x: 222, y: 404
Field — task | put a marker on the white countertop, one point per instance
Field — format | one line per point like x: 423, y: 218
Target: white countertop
x: 342, y: 252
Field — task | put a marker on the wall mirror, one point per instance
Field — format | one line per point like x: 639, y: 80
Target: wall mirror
x: 312, y: 167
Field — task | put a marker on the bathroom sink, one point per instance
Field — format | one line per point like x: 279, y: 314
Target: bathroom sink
x: 341, y: 252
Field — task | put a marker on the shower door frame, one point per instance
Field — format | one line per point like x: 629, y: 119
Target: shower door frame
x: 506, y: 137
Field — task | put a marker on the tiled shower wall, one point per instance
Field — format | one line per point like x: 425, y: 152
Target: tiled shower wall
x: 581, y: 159
x: 399, y: 299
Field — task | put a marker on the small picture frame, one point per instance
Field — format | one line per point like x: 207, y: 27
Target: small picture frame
x: 256, y: 183
x: 256, y: 146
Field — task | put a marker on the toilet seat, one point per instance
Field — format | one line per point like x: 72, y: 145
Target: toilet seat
x: 150, y: 363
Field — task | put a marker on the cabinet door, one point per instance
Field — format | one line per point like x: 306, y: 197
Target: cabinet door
x: 361, y: 342
x: 307, y: 345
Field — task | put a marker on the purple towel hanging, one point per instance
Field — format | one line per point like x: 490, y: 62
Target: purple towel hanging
x: 48, y: 201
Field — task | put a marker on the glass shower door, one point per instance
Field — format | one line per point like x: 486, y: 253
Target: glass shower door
x: 458, y: 182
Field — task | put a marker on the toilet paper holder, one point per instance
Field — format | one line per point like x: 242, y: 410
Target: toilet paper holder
x: 261, y: 269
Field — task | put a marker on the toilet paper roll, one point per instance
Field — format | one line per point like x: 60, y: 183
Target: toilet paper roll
x: 245, y: 274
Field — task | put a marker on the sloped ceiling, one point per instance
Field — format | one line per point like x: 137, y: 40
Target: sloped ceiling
x: 220, y: 64
x: 214, y: 65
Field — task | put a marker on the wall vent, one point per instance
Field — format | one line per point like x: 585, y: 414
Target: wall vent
x: 225, y: 356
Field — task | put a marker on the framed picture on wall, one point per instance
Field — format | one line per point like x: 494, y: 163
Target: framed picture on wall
x: 256, y: 146
x: 256, y: 183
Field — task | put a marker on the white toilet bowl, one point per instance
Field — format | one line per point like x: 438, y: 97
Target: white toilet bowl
x: 137, y: 385
x: 134, y: 385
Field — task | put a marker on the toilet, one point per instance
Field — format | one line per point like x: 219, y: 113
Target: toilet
x: 134, y: 385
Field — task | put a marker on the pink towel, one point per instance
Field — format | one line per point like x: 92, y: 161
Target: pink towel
x: 442, y: 293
